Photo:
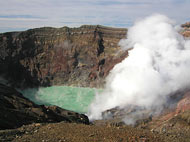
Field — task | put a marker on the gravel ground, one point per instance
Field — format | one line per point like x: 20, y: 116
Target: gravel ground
x: 71, y: 132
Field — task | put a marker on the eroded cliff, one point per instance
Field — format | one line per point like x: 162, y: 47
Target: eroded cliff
x: 60, y: 56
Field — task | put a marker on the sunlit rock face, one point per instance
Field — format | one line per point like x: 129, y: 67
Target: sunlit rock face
x: 186, y: 29
x: 60, y: 56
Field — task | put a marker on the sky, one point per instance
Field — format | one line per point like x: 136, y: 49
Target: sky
x: 17, y: 15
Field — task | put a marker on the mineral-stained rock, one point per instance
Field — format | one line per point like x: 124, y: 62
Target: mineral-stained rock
x: 60, y: 56
x: 15, y: 111
x: 178, y: 108
x: 184, y: 104
x: 186, y: 29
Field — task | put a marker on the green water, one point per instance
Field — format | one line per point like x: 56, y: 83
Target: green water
x: 71, y: 98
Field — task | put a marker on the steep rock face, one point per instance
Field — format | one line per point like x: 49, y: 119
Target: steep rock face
x: 62, y: 56
x: 15, y: 111
x: 65, y: 56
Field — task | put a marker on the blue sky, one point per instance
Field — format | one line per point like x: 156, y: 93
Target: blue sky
x: 25, y: 14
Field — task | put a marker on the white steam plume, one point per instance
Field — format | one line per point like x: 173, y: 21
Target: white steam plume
x: 157, y: 66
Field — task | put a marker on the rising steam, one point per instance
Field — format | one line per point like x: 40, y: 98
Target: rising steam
x: 157, y: 66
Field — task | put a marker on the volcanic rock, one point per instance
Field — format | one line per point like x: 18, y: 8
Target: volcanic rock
x: 186, y: 29
x: 15, y: 111
x: 184, y: 104
x: 60, y: 56
x: 186, y: 25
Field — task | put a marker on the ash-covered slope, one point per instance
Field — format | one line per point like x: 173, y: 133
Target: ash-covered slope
x: 60, y: 56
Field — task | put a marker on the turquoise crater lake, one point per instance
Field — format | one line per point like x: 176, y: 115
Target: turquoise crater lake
x: 71, y: 98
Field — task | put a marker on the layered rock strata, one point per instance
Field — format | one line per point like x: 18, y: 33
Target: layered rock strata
x: 60, y: 56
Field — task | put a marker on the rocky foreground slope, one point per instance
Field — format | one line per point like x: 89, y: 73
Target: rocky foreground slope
x: 36, y: 123
x: 15, y: 111
x: 60, y: 56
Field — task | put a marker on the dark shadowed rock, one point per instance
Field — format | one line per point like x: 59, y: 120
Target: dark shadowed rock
x: 186, y: 25
x: 15, y: 111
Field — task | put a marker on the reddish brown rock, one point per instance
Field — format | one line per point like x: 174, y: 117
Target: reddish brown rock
x: 186, y: 33
x: 186, y: 29
x: 184, y: 104
x: 62, y: 56
x: 65, y: 56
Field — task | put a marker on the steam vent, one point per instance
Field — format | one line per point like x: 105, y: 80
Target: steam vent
x: 96, y: 83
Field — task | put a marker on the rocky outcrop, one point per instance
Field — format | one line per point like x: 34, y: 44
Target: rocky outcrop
x: 15, y: 111
x: 60, y: 56
x: 186, y: 25
x: 186, y: 29
x: 184, y: 104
